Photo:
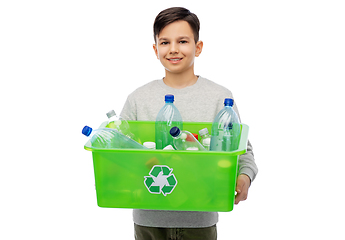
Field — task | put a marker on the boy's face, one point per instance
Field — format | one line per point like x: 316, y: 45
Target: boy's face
x: 176, y: 48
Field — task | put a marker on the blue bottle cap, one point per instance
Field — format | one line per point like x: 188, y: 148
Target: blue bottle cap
x: 86, y: 131
x: 174, y: 131
x: 228, y: 102
x: 169, y: 98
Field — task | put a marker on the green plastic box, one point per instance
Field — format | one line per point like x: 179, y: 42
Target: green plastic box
x: 166, y: 179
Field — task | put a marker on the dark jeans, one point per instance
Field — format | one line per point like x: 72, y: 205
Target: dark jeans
x: 153, y: 233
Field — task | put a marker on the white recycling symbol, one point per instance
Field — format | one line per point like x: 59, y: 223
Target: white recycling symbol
x: 161, y: 180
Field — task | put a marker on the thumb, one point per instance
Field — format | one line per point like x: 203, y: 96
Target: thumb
x: 239, y: 186
x: 238, y: 190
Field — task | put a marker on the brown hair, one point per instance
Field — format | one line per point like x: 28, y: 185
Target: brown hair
x: 173, y: 14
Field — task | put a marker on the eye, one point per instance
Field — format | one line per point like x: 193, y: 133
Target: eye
x: 183, y: 41
x: 164, y: 43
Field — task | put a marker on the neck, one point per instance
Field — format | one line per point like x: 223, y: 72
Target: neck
x: 180, y: 80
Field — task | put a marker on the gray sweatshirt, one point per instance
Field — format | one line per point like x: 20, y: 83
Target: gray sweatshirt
x: 197, y: 103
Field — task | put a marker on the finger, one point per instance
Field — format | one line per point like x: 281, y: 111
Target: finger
x: 238, y: 189
x: 237, y: 200
x: 239, y: 186
x: 240, y: 197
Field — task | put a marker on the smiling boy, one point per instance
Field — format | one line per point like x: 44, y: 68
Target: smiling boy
x: 176, y: 35
x: 176, y: 48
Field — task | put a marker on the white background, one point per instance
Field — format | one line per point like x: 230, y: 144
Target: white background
x: 64, y: 64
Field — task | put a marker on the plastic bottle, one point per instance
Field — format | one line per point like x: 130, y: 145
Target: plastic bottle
x: 168, y: 117
x: 226, y: 129
x: 184, y: 140
x: 110, y: 138
x: 205, y: 138
x: 113, y: 120
x: 120, y: 124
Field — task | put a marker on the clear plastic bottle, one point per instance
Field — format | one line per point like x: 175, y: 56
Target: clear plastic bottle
x: 120, y: 124
x: 184, y: 140
x: 205, y: 138
x: 110, y: 138
x: 226, y: 129
x: 114, y: 121
x: 168, y: 117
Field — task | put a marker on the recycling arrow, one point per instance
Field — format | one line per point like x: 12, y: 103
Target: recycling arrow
x: 161, y: 180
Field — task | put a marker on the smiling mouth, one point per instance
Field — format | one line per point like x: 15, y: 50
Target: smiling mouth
x: 174, y: 60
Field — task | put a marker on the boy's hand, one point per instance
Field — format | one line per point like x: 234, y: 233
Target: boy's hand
x: 242, y: 186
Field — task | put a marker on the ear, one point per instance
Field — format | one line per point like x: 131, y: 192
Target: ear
x: 156, y: 50
x: 198, y: 49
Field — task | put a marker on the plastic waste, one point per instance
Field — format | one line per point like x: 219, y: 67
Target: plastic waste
x: 196, y: 136
x: 110, y: 138
x: 184, y: 140
x: 205, y: 138
x: 169, y: 147
x: 168, y: 117
x: 150, y: 145
x: 226, y: 129
x: 120, y: 124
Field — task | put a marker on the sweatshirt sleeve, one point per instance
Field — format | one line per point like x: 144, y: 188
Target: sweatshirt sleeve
x: 246, y: 163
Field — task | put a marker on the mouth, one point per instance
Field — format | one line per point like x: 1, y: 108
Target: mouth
x: 174, y: 60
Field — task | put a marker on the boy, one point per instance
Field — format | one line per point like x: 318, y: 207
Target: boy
x: 176, y: 35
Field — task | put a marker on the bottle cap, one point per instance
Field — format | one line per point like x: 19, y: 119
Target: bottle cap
x: 192, y: 149
x: 228, y: 102
x: 196, y: 136
x: 151, y: 145
x: 111, y: 114
x: 203, y: 131
x: 169, y: 98
x: 174, y: 131
x: 86, y: 131
x: 169, y: 147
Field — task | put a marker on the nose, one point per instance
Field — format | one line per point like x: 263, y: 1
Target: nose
x: 174, y: 48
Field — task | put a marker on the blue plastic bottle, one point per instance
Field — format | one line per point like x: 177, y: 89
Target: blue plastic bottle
x: 168, y: 117
x: 110, y: 138
x: 226, y: 129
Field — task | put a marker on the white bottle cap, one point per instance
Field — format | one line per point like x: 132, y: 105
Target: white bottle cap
x: 111, y: 113
x: 150, y: 145
x: 203, y: 131
x: 192, y: 149
x: 183, y: 136
x: 169, y: 147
